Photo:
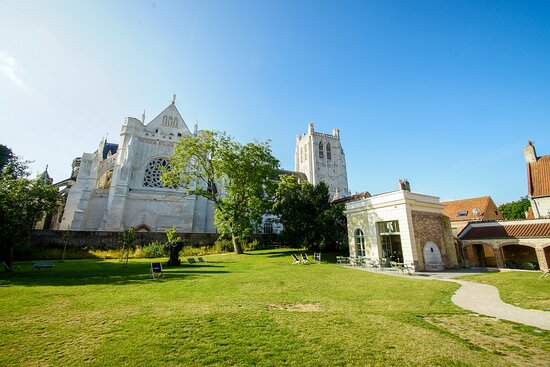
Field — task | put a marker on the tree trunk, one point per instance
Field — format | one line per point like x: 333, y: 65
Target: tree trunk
x: 236, y: 245
x: 175, y: 248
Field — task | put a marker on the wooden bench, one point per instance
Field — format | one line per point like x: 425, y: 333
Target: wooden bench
x: 42, y: 265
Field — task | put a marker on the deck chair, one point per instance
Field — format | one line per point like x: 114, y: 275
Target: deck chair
x: 191, y: 260
x: 545, y: 274
x: 201, y: 260
x: 156, y: 270
x: 317, y: 257
x: 305, y: 259
x: 8, y: 268
x: 295, y: 259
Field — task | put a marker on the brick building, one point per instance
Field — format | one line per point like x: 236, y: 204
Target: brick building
x: 461, y: 212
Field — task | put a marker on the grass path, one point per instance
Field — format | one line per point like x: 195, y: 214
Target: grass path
x: 246, y: 310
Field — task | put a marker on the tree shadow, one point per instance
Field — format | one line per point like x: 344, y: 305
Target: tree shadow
x: 92, y: 272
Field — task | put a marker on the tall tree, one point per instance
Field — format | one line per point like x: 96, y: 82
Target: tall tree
x: 6, y: 155
x: 308, y: 218
x: 237, y: 178
x: 22, y: 202
x: 515, y: 209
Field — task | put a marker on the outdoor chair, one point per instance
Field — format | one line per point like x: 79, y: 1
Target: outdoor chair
x: 295, y: 259
x: 394, y: 267
x: 545, y: 274
x: 191, y: 260
x: 305, y: 259
x: 201, y: 260
x: 317, y: 257
x: 42, y: 265
x: 156, y: 270
x: 12, y: 268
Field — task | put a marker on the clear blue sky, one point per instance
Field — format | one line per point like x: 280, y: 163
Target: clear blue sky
x: 444, y: 93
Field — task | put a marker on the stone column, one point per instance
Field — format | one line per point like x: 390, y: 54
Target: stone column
x: 499, y: 256
x: 543, y: 264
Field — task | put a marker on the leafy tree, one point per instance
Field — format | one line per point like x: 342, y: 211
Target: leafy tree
x: 6, y: 155
x: 237, y: 178
x: 308, y: 218
x: 22, y: 202
x: 515, y: 209
x: 127, y: 238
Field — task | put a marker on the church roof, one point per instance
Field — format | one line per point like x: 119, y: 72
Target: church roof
x: 109, y: 147
x: 538, y: 177
x: 459, y: 210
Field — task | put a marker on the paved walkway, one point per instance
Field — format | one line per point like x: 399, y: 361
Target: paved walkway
x: 482, y: 298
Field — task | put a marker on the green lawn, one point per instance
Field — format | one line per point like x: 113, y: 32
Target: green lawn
x: 246, y: 310
x: 519, y: 288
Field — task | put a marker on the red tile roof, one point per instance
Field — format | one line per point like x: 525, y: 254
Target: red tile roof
x: 481, y: 231
x: 538, y: 177
x: 452, y: 208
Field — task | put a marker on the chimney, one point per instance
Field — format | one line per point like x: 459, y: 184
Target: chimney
x: 404, y: 185
x: 529, y: 153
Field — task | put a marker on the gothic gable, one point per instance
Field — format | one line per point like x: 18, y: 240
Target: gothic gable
x: 169, y: 121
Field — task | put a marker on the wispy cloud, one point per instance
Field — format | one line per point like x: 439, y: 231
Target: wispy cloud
x: 8, y: 66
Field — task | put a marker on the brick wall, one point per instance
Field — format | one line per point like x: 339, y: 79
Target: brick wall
x: 437, y: 229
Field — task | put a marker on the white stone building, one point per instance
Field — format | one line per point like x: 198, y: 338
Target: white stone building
x: 119, y: 185
x: 321, y: 158
x: 404, y: 226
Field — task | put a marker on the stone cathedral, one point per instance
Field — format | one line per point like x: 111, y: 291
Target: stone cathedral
x: 119, y: 185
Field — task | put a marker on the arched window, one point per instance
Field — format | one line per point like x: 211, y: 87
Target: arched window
x: 359, y: 243
x: 329, y: 155
x: 268, y: 227
x: 321, y: 154
x: 154, y: 171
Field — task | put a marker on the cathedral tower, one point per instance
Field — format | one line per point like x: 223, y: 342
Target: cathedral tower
x: 321, y: 158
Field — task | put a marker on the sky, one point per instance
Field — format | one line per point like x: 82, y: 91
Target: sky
x: 443, y: 93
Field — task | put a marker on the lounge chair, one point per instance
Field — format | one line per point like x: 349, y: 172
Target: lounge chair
x: 191, y: 260
x: 42, y: 265
x: 8, y: 268
x: 156, y: 270
x: 305, y: 259
x: 295, y: 259
x: 201, y: 260
x: 317, y: 256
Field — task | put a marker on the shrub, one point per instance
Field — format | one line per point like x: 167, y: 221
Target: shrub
x: 223, y: 245
x: 154, y: 249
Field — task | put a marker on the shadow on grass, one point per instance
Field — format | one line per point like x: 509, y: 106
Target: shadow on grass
x: 91, y: 272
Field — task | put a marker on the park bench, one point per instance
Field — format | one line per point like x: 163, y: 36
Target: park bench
x: 42, y: 265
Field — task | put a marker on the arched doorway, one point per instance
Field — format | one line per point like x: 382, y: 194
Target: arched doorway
x: 520, y: 257
x: 432, y: 257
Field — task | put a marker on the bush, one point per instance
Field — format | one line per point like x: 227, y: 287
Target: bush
x: 223, y: 245
x: 154, y: 249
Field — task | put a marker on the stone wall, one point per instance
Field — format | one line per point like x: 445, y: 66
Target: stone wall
x: 107, y: 239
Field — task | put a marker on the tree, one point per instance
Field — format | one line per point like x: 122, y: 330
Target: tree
x: 175, y: 244
x: 127, y: 238
x: 515, y: 209
x: 22, y: 202
x: 309, y: 219
x: 6, y: 155
x: 238, y: 179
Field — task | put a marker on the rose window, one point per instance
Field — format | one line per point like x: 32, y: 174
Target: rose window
x: 153, y: 172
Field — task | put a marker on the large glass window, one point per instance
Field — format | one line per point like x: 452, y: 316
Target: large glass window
x: 359, y: 242
x: 153, y: 172
x: 390, y: 240
x: 321, y: 154
x: 329, y: 153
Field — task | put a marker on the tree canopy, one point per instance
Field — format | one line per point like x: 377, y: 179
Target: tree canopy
x: 237, y: 178
x: 22, y: 202
x: 308, y: 218
x: 515, y: 209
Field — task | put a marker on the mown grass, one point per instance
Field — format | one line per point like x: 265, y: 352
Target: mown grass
x: 519, y: 288
x: 246, y: 310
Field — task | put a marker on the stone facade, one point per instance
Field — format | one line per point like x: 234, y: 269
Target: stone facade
x: 322, y: 159
x: 417, y: 222
x: 119, y: 186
